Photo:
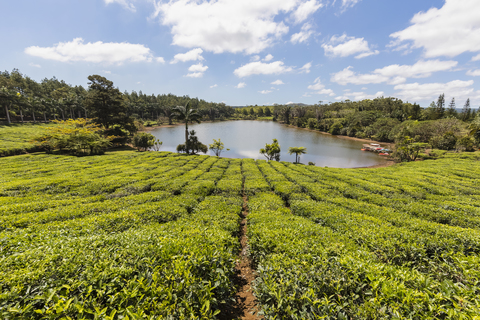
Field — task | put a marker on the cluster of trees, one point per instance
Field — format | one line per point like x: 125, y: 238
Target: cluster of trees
x: 24, y: 99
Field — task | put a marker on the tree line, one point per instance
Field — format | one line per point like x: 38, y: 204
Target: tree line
x: 24, y: 99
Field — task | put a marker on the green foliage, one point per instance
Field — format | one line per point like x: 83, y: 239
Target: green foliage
x: 193, y: 146
x: 407, y: 149
x: 155, y: 235
x: 106, y: 104
x: 271, y: 151
x: 79, y: 137
x: 298, y: 151
x: 143, y: 141
x: 217, y: 146
x: 336, y: 127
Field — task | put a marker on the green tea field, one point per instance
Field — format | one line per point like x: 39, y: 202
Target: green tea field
x: 155, y: 235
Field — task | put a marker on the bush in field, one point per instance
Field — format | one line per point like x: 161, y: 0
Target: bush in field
x: 77, y: 136
x: 407, y: 150
x: 193, y: 146
x: 143, y: 141
x: 465, y: 144
x: 217, y: 146
x: 271, y: 151
x: 446, y: 142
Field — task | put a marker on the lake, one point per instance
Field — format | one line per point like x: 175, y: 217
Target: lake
x: 245, y: 138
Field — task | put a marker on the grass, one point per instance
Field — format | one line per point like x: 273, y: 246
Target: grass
x: 15, y: 138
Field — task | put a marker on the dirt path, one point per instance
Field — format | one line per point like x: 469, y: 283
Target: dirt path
x: 245, y: 302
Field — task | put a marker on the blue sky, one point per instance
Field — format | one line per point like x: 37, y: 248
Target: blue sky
x: 252, y: 51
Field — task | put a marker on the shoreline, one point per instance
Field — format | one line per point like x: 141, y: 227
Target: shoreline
x: 388, y: 144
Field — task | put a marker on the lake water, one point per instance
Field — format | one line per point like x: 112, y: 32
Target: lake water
x: 245, y: 138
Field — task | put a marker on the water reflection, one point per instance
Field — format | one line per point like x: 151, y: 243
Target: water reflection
x: 245, y: 138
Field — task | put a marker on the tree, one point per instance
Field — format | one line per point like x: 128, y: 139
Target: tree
x: 451, y: 111
x: 187, y: 114
x: 286, y: 113
x: 271, y: 151
x: 7, y: 97
x: 192, y: 146
x: 298, y: 151
x: 217, y: 146
x: 466, y: 111
x: 407, y: 150
x: 143, y: 141
x: 440, y: 106
x: 106, y: 104
x: 268, y: 112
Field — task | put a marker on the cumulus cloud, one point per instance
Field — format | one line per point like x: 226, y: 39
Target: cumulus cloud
x: 305, y: 9
x: 393, y: 74
x: 344, y: 46
x: 258, y: 67
x: 192, y: 55
x: 248, y: 26
x: 449, y: 31
x: 265, y: 91
x: 306, y: 68
x: 124, y: 3
x: 476, y: 58
x: 214, y: 86
x: 196, y: 70
x: 268, y: 57
x: 106, y: 52
x: 277, y: 82
x: 303, y: 35
x: 241, y: 85
x: 319, y: 88
x: 473, y: 73
x: 31, y: 64
x: 429, y: 91
x: 356, y: 96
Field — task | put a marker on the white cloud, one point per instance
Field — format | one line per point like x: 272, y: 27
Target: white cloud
x: 107, y: 72
x: 192, y: 55
x: 449, y: 31
x: 349, y: 3
x: 303, y: 35
x: 476, y: 58
x: 214, y: 86
x: 219, y: 26
x: 265, y: 91
x: 306, y: 68
x: 319, y: 88
x: 430, y: 91
x: 345, y: 46
x: 194, y: 75
x: 268, y: 57
x: 259, y: 67
x: 196, y: 70
x: 241, y: 85
x: 107, y: 52
x: 255, y: 58
x: 306, y: 9
x: 277, y: 82
x: 124, y: 3
x: 473, y: 73
x: 199, y: 67
x: 356, y: 96
x: 160, y: 59
x: 31, y: 64
x: 393, y: 74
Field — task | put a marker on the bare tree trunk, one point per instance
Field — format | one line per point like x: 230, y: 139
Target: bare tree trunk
x: 85, y: 113
x: 21, y: 115
x: 45, y: 116
x: 34, y: 120
x: 8, y: 114
x: 79, y: 115
x: 63, y: 115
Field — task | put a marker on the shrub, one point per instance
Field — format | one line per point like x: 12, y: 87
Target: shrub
x: 143, y: 141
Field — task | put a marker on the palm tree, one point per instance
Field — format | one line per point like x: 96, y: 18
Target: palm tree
x: 298, y: 151
x: 187, y: 114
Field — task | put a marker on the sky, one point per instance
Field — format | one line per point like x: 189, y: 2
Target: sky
x: 252, y: 52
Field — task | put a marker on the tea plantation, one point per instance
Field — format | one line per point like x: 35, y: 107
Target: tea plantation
x: 154, y: 235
